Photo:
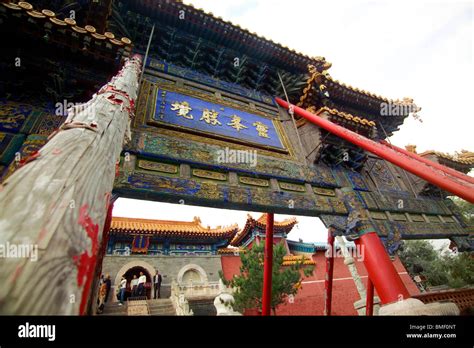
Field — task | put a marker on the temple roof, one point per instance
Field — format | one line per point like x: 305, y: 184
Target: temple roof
x: 290, y: 260
x: 60, y: 58
x: 284, y: 226
x: 209, y: 45
x: 462, y: 161
x: 207, y: 24
x: 322, y: 91
x: 67, y: 23
x: 464, y: 157
x: 167, y: 229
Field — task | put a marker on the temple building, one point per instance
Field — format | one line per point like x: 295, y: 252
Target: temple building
x: 254, y: 231
x: 180, y: 250
x: 192, y: 255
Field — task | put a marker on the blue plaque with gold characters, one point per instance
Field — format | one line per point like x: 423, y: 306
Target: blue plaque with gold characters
x: 186, y: 112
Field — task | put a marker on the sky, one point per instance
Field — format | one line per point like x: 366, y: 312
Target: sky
x: 405, y: 48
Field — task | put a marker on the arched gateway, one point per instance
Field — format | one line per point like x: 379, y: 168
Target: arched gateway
x: 134, y: 268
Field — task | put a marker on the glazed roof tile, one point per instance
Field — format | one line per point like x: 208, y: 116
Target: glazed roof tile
x: 167, y: 228
x: 49, y: 15
x: 284, y: 226
x: 464, y: 157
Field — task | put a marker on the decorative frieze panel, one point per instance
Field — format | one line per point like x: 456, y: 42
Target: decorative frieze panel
x: 398, y: 217
x: 193, y: 149
x: 417, y: 218
x: 158, y: 167
x: 207, y: 80
x: 324, y: 191
x: 378, y: 215
x: 208, y: 174
x: 381, y: 174
x: 291, y: 187
x: 247, y: 180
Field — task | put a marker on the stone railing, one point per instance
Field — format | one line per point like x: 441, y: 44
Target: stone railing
x: 178, y: 298
x: 199, y: 289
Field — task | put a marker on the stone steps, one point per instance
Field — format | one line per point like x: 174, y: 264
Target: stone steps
x: 115, y: 309
x: 161, y: 307
x: 156, y: 307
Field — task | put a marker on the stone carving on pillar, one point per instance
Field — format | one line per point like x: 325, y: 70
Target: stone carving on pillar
x: 350, y: 263
x: 224, y: 301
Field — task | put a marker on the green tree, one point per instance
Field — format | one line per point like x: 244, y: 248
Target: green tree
x: 460, y: 269
x: 465, y: 208
x: 454, y: 270
x: 419, y: 257
x: 249, y: 284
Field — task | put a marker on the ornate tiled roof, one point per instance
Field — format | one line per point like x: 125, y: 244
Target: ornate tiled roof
x: 227, y: 251
x: 289, y: 260
x: 323, y: 78
x: 322, y: 91
x: 356, y: 119
x: 166, y: 228
x: 70, y: 25
x: 284, y: 226
x: 463, y: 157
x: 460, y: 160
x: 203, y: 21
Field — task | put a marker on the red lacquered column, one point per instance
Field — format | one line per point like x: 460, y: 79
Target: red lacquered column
x: 267, y: 266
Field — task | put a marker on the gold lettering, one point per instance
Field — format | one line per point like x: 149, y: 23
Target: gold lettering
x: 210, y: 117
x: 261, y: 129
x: 236, y: 123
x: 182, y: 109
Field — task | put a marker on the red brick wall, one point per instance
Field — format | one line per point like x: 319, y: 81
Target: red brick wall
x: 310, y: 298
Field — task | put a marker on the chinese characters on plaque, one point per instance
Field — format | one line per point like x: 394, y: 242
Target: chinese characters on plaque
x: 211, y: 117
x: 187, y: 112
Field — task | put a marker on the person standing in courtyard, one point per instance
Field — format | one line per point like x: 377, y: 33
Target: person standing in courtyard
x: 141, y: 284
x: 108, y: 285
x: 133, y: 286
x: 102, y: 292
x: 123, y: 286
x: 157, y: 284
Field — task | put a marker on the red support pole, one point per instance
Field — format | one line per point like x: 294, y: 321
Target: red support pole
x: 329, y: 274
x: 382, y: 273
x: 267, y: 266
x: 435, y: 176
x: 369, y: 303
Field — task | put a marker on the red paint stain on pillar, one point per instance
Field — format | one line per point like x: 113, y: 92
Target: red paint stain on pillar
x: 17, y: 273
x: 86, y: 262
